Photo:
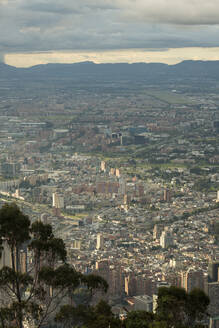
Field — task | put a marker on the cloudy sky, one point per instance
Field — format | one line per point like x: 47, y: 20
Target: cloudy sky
x: 40, y: 31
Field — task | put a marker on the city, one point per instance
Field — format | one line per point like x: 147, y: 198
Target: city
x: 128, y: 177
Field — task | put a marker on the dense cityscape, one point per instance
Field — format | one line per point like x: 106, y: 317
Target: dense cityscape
x: 128, y: 177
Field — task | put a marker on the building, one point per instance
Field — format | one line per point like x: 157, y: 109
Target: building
x: 130, y: 285
x: 20, y: 260
x: 117, y: 173
x: 126, y: 199
x: 217, y: 200
x: 213, y: 309
x: 76, y: 244
x: 157, y: 231
x: 102, y: 269
x: 122, y: 186
x: 213, y: 271
x: 166, y: 195
x: 141, y: 190
x: 5, y: 259
x: 100, y: 241
x: 57, y: 200
x: 103, y: 166
x: 191, y: 279
x: 166, y: 239
x: 10, y: 170
x: 60, y: 133
x: 23, y: 261
x: 143, y: 303
x: 112, y: 171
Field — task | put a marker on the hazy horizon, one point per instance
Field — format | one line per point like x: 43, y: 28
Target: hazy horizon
x: 167, y: 31
x: 169, y: 56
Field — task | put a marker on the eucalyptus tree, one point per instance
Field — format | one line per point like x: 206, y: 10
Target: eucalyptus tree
x: 35, y: 294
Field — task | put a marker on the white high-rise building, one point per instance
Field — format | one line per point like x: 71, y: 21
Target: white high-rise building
x: 57, y: 200
x: 100, y: 241
x: 217, y: 200
x: 103, y: 166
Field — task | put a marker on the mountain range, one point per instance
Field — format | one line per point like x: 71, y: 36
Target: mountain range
x: 186, y: 69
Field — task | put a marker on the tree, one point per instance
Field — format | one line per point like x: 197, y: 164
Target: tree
x: 139, y: 319
x: 14, y: 231
x: 196, y: 309
x: 99, y: 316
x: 170, y: 305
x: 35, y: 295
x: 179, y: 309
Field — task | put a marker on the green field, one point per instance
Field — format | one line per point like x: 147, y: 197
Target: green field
x: 170, y: 97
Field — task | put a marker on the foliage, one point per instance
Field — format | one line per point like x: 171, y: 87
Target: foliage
x: 99, y: 316
x: 205, y: 185
x: 176, y: 309
x: 139, y: 319
x: 14, y: 226
x: 36, y: 295
x: 180, y: 309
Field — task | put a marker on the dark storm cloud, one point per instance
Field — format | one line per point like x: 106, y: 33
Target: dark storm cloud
x: 107, y: 24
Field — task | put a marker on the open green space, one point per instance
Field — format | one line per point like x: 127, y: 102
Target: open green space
x: 170, y: 97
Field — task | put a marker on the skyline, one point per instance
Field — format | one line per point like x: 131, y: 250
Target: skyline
x: 153, y: 31
x: 169, y: 56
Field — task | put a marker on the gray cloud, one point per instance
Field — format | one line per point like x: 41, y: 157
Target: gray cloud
x: 1, y: 58
x: 31, y: 25
x: 177, y: 12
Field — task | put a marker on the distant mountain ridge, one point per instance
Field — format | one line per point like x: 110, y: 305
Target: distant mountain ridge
x: 189, y: 69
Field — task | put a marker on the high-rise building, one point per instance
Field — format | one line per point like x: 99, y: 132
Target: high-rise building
x: 166, y: 239
x: 112, y: 171
x: 115, y: 282
x: 100, y: 241
x: 216, y: 126
x: 144, y: 285
x: 23, y: 261
x: 20, y: 260
x: 191, y: 279
x: 217, y: 200
x: 141, y: 190
x: 103, y: 166
x: 126, y: 199
x: 213, y: 271
x: 166, y: 195
x: 5, y: 259
x: 213, y: 309
x: 158, y: 228
x: 117, y: 173
x: 10, y: 170
x: 102, y: 269
x: 130, y: 285
x: 122, y: 186
x: 57, y: 200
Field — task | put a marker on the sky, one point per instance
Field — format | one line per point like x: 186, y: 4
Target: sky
x: 40, y: 31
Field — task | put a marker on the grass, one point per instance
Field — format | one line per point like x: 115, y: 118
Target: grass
x: 170, y: 98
